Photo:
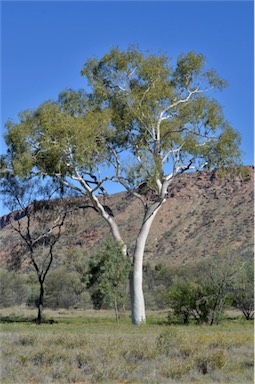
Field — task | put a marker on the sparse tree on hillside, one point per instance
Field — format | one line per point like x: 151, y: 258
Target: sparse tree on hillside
x: 38, y: 225
x: 142, y: 123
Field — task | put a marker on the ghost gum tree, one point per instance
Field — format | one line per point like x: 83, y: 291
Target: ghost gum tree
x: 142, y: 122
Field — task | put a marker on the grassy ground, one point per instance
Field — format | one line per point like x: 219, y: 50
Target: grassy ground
x: 89, y: 347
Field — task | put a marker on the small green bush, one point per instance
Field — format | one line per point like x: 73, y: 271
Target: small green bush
x: 13, y: 289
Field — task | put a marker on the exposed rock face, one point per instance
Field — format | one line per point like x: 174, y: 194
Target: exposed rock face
x: 205, y: 213
x: 17, y: 215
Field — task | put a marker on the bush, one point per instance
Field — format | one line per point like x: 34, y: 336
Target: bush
x: 13, y: 289
x: 63, y: 289
x: 190, y: 300
x: 155, y: 281
x: 201, y: 291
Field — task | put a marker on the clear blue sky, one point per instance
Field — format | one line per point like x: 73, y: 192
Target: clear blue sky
x: 45, y: 44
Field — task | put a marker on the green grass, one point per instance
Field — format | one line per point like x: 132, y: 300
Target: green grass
x: 89, y: 347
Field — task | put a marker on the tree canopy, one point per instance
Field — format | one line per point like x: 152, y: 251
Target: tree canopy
x: 138, y: 103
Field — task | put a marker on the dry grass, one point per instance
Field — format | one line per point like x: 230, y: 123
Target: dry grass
x: 85, y: 349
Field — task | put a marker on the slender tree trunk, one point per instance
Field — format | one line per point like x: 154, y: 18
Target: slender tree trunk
x: 116, y: 308
x: 136, y: 279
x: 40, y: 304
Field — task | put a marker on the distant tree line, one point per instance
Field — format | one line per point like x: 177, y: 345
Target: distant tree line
x: 198, y: 292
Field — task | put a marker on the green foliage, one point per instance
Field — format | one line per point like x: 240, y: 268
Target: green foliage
x: 34, y: 288
x: 66, y: 285
x: 155, y: 282
x: 201, y: 291
x: 33, y: 298
x: 64, y: 289
x: 72, y: 102
x: 243, y: 290
x: 13, y: 289
x: 191, y: 300
x: 138, y: 103
x: 74, y: 260
x: 244, y: 172
x: 55, y: 130
x: 60, y: 289
x: 108, y: 277
x: 188, y: 66
x: 146, y: 85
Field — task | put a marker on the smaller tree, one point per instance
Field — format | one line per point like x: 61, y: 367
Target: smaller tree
x: 243, y: 291
x: 38, y: 225
x: 108, y: 277
x: 221, y: 272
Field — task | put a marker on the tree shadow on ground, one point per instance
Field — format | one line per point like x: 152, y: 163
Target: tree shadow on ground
x: 19, y: 319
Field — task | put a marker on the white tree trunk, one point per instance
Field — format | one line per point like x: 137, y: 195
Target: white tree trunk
x: 136, y: 283
x: 116, y: 234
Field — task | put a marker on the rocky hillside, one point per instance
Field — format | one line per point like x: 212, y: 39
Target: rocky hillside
x: 205, y: 213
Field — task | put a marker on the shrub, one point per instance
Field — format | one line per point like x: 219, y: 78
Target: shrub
x: 63, y: 289
x: 13, y: 289
x: 189, y: 300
